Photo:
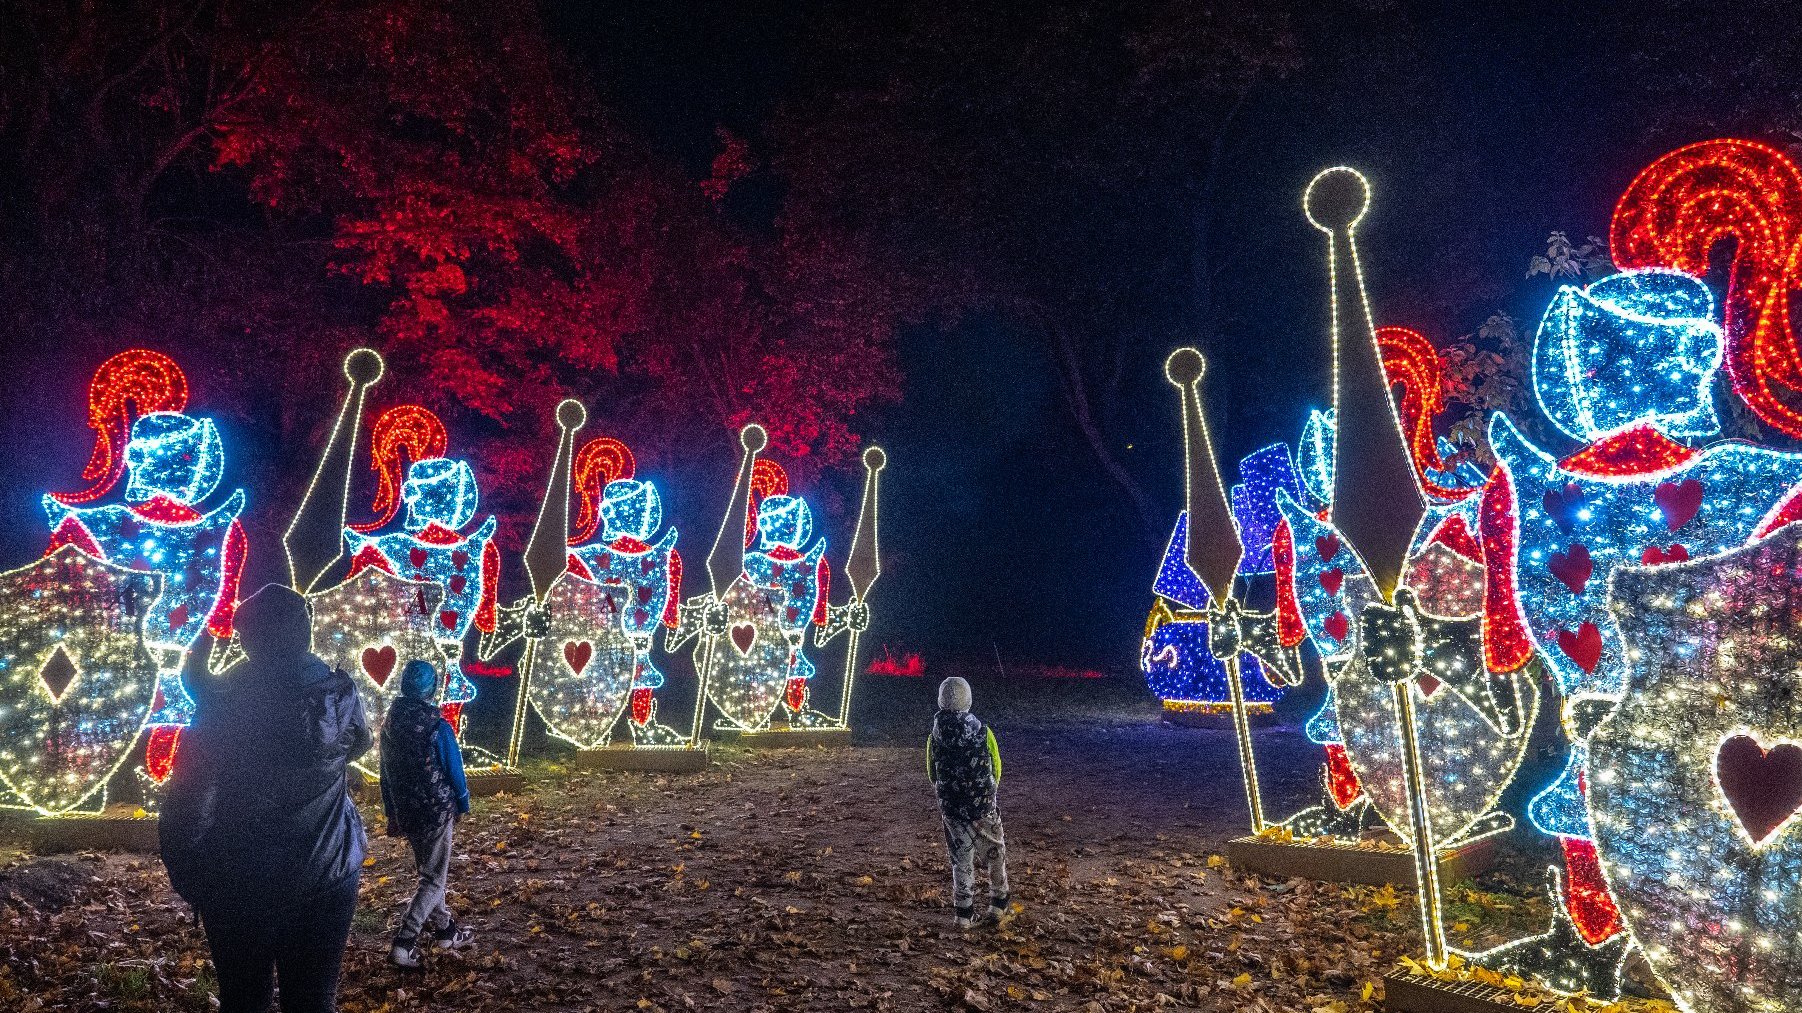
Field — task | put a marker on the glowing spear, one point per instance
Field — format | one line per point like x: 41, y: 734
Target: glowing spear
x: 862, y: 568
x: 315, y: 538
x: 726, y: 560
x: 547, y: 552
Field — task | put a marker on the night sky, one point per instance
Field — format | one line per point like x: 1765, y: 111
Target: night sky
x: 1001, y: 534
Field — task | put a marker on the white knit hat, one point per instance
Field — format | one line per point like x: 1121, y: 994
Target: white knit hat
x: 954, y: 695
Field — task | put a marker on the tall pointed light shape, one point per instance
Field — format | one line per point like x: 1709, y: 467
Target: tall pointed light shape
x: 1213, y: 551
x: 547, y: 551
x: 863, y: 566
x: 315, y: 537
x: 1371, y: 461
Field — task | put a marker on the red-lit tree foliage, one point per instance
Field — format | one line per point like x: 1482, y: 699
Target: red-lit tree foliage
x: 252, y: 188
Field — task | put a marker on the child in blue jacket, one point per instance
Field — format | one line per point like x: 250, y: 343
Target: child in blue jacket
x: 423, y: 795
x: 964, y: 764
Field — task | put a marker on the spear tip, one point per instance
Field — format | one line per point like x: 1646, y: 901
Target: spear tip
x: 1185, y: 367
x: 571, y: 416
x: 364, y: 366
x: 754, y: 437
x: 874, y: 459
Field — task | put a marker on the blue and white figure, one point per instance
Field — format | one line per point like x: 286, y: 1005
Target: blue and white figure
x: 640, y: 573
x: 174, y: 462
x: 1174, y: 656
x: 1262, y: 473
x: 1636, y: 347
x: 440, y: 497
x: 1314, y: 459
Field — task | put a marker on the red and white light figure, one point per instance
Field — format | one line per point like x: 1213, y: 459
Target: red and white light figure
x: 172, y: 463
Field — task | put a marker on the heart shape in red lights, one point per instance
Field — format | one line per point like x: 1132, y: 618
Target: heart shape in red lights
x: 743, y: 636
x: 1337, y: 626
x: 378, y: 663
x: 576, y: 653
x: 1583, y: 647
x: 1655, y: 554
x: 1678, y: 501
x: 1573, y: 567
x: 1327, y: 546
x: 1763, y: 786
x: 1331, y: 580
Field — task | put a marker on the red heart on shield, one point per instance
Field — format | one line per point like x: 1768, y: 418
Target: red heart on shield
x: 1327, y: 546
x: 1667, y: 554
x: 417, y: 558
x: 743, y: 636
x: 458, y: 583
x: 577, y: 653
x: 459, y: 559
x: 1764, y: 786
x: 378, y: 662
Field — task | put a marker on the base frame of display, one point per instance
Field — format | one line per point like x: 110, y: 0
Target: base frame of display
x: 1337, y: 863
x: 1262, y: 716
x: 1404, y: 992
x: 777, y: 736
x: 658, y: 760
x: 493, y: 781
x: 116, y: 828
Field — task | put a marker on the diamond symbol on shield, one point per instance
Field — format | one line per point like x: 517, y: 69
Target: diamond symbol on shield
x: 58, y: 672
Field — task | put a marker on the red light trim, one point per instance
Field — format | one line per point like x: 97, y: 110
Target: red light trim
x: 1641, y: 450
x: 767, y: 479
x: 1674, y: 213
x: 601, y: 460
x: 1586, y: 894
x: 404, y: 428
x: 1506, y: 645
x: 1289, y: 626
x: 132, y: 383
x: 1411, y: 360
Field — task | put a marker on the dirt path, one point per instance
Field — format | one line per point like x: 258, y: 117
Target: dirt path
x: 798, y: 880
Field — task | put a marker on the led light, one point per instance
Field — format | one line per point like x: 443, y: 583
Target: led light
x: 76, y: 679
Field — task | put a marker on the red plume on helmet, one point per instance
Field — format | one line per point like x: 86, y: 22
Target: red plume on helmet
x: 600, y: 461
x: 1411, y: 360
x: 767, y: 479
x: 1674, y: 213
x: 404, y: 429
x: 131, y: 383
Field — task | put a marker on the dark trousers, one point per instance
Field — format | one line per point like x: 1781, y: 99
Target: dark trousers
x: 301, y: 945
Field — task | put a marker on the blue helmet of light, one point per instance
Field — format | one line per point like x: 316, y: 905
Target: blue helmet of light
x: 1635, y: 347
x: 784, y: 521
x: 173, y: 455
x: 439, y: 491
x: 630, y: 509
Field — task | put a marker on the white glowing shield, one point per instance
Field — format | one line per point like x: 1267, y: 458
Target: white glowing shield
x: 582, y: 672
x: 748, y: 667
x: 370, y: 626
x: 1695, y: 779
x: 76, y: 681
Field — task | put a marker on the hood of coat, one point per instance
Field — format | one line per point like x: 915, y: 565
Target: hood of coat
x: 955, y: 728
x: 276, y: 631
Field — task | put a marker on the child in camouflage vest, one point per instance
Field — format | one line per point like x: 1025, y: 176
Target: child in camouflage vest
x: 964, y: 764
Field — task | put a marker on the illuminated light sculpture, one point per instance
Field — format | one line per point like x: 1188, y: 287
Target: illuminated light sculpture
x: 1684, y: 204
x: 597, y: 604
x: 440, y: 499
x: 1386, y: 587
x: 763, y: 596
x: 76, y: 676
x: 172, y: 464
x: 1696, y: 776
x: 371, y: 623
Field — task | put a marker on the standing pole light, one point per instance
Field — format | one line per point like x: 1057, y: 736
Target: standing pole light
x: 862, y: 568
x: 547, y: 553
x: 314, y: 541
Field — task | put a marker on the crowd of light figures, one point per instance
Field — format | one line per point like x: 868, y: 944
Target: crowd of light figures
x: 1653, y: 573
x: 95, y: 635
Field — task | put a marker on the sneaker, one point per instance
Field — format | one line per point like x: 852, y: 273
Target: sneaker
x: 1000, y: 912
x: 455, y: 936
x: 405, y: 953
x: 965, y: 918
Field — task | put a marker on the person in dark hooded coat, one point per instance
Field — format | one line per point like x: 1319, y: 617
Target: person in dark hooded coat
x: 258, y: 829
x: 424, y: 793
x: 964, y: 763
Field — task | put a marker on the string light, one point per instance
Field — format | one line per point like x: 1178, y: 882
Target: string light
x: 1179, y: 668
x: 1640, y: 347
x: 1695, y: 776
x: 76, y: 680
x: 1261, y: 473
x: 172, y: 464
x: 441, y: 497
x: 1684, y: 204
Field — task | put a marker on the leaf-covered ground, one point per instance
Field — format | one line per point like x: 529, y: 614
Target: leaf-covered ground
x: 806, y: 879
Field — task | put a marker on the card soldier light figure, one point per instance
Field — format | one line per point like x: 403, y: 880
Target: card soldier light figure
x: 766, y: 592
x: 172, y: 463
x: 1391, y: 589
x: 595, y: 608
